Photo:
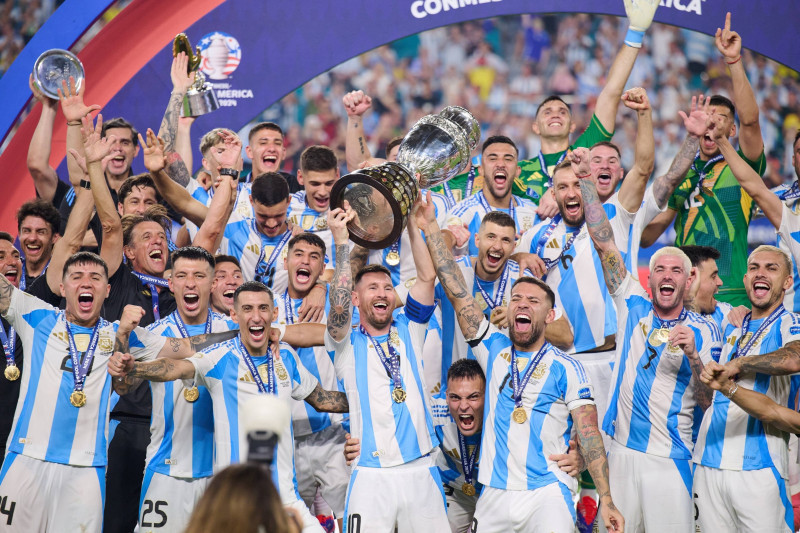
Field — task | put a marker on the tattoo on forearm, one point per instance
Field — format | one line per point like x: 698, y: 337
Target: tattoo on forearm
x: 702, y: 393
x: 468, y: 313
x: 781, y: 361
x: 198, y: 342
x: 664, y: 186
x: 169, y: 124
x: 591, y: 446
x: 614, y: 270
x: 361, y: 145
x: 123, y: 386
x: 341, y: 290
x: 176, y: 169
x: 326, y: 401
x: 157, y: 370
x: 602, y: 235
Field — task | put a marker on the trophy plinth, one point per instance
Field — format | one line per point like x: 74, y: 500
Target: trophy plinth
x: 200, y: 99
x: 437, y: 148
x: 54, y: 67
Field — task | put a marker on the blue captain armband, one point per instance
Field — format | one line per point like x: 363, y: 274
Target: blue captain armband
x: 417, y: 312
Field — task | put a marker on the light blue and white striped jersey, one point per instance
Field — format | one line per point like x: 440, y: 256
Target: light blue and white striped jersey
x: 515, y: 456
x: 391, y: 433
x: 312, y: 221
x: 472, y: 210
x: 789, y: 242
x: 182, y: 432
x: 729, y: 438
x: 222, y: 370
x: 46, y: 425
x: 244, y: 242
x: 241, y: 209
x: 652, y: 399
x: 719, y: 314
x: 305, y: 419
x: 406, y: 269
x: 449, y: 460
x: 583, y: 297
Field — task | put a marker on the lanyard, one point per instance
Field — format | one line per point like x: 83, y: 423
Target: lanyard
x: 276, y: 252
x: 470, y: 182
x: 80, y: 370
x: 288, y: 307
x: 152, y: 282
x: 501, y: 290
x: 251, y: 366
x: 793, y: 192
x: 9, y: 343
x: 487, y: 208
x: 182, y: 325
x: 743, y: 351
x: 23, y: 280
x: 518, y: 385
x: 467, y: 459
x: 448, y: 192
x: 703, y: 173
x: 543, y: 166
x: 391, y: 363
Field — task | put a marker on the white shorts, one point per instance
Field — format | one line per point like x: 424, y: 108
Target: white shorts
x: 548, y: 509
x: 598, y: 367
x: 42, y: 496
x: 320, y: 463
x: 167, y: 502
x: 653, y: 493
x: 460, y: 509
x: 309, y: 522
x: 408, y: 497
x: 742, y: 501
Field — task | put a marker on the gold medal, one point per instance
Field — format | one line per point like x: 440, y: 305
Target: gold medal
x: 468, y: 489
x: 11, y: 372
x: 399, y: 395
x: 662, y: 334
x: 519, y: 416
x: 191, y: 394
x: 393, y: 259
x: 321, y: 223
x: 77, y: 398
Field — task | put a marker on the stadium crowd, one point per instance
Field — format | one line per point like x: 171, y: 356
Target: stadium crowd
x: 499, y: 367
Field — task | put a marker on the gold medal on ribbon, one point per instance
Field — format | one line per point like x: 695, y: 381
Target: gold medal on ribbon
x: 659, y: 336
x: 191, y: 394
x: 393, y: 259
x: 519, y: 416
x: 468, y: 489
x: 399, y: 395
x: 77, y: 398
x: 11, y: 372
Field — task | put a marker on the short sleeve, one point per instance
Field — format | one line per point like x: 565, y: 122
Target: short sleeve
x: 525, y: 242
x: 789, y: 230
x: 20, y: 305
x: 145, y: 345
x: 204, y: 363
x: 303, y: 383
x: 710, y: 345
x: 577, y: 388
x: 593, y: 134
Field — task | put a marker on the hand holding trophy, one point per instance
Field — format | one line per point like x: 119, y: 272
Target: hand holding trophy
x: 200, y: 99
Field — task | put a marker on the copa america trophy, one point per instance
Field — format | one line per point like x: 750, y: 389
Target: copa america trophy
x: 56, y: 66
x: 438, y: 148
x: 200, y: 99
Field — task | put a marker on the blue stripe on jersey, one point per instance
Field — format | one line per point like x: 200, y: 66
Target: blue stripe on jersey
x: 368, y: 441
x: 755, y: 446
x: 202, y: 437
x: 682, y: 379
x: 101, y: 444
x: 226, y: 370
x: 318, y: 421
x: 148, y: 477
x: 539, y: 413
x: 165, y: 450
x: 65, y: 418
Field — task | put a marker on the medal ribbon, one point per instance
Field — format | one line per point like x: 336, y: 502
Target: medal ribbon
x: 703, y: 173
x: 288, y: 307
x: 276, y: 252
x: 23, y: 280
x: 487, y: 208
x: 775, y: 315
x: 666, y: 324
x: 543, y: 167
x: 448, y: 192
x: 793, y: 192
x: 515, y: 381
x: 467, y: 460
x: 251, y: 366
x: 501, y: 290
x: 182, y: 325
x: 152, y: 282
x: 470, y: 182
x: 9, y: 341
x: 79, y: 370
x: 391, y: 363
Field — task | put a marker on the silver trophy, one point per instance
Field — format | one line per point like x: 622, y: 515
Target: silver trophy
x: 56, y: 66
x: 438, y: 148
x: 200, y: 99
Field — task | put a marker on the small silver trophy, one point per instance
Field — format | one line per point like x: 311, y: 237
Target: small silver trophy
x: 56, y: 66
x: 200, y: 99
x: 438, y: 147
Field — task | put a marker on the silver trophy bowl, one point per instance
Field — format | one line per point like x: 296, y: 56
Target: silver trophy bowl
x: 437, y: 148
x: 54, y: 67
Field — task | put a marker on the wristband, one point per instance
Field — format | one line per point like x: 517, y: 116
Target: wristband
x: 86, y: 184
x: 229, y: 172
x: 634, y: 38
x: 73, y: 123
x: 734, y: 61
x: 732, y: 391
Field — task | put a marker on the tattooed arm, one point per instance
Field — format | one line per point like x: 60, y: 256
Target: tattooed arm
x: 162, y: 370
x: 183, y: 348
x: 781, y: 362
x: 340, y: 314
x: 326, y: 401
x: 125, y: 384
x: 358, y: 259
x: 598, y: 225
x: 594, y: 455
x: 181, y: 81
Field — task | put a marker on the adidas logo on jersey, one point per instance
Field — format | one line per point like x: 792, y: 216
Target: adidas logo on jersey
x: 553, y: 244
x: 253, y: 248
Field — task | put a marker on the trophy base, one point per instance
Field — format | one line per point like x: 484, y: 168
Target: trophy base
x: 200, y: 102
x: 382, y: 197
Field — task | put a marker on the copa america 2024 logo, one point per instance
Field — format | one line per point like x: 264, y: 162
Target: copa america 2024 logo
x: 221, y: 55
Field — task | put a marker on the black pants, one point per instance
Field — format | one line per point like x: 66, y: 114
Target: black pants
x: 126, y: 455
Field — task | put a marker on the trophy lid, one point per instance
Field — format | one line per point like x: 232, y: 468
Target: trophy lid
x: 466, y: 121
x: 55, y: 66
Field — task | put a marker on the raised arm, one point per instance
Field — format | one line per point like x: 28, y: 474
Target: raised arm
x: 633, y: 186
x: 74, y: 110
x: 44, y: 176
x: 327, y: 401
x: 468, y: 312
x: 341, y: 309
x: 182, y: 79
x: 356, y: 151
x: 422, y: 290
x: 72, y: 240
x: 212, y: 229
x: 749, y: 179
x: 594, y: 455
x: 597, y: 223
x: 783, y: 361
x: 729, y: 44
x: 640, y: 16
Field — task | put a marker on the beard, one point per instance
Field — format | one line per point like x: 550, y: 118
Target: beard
x: 528, y: 338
